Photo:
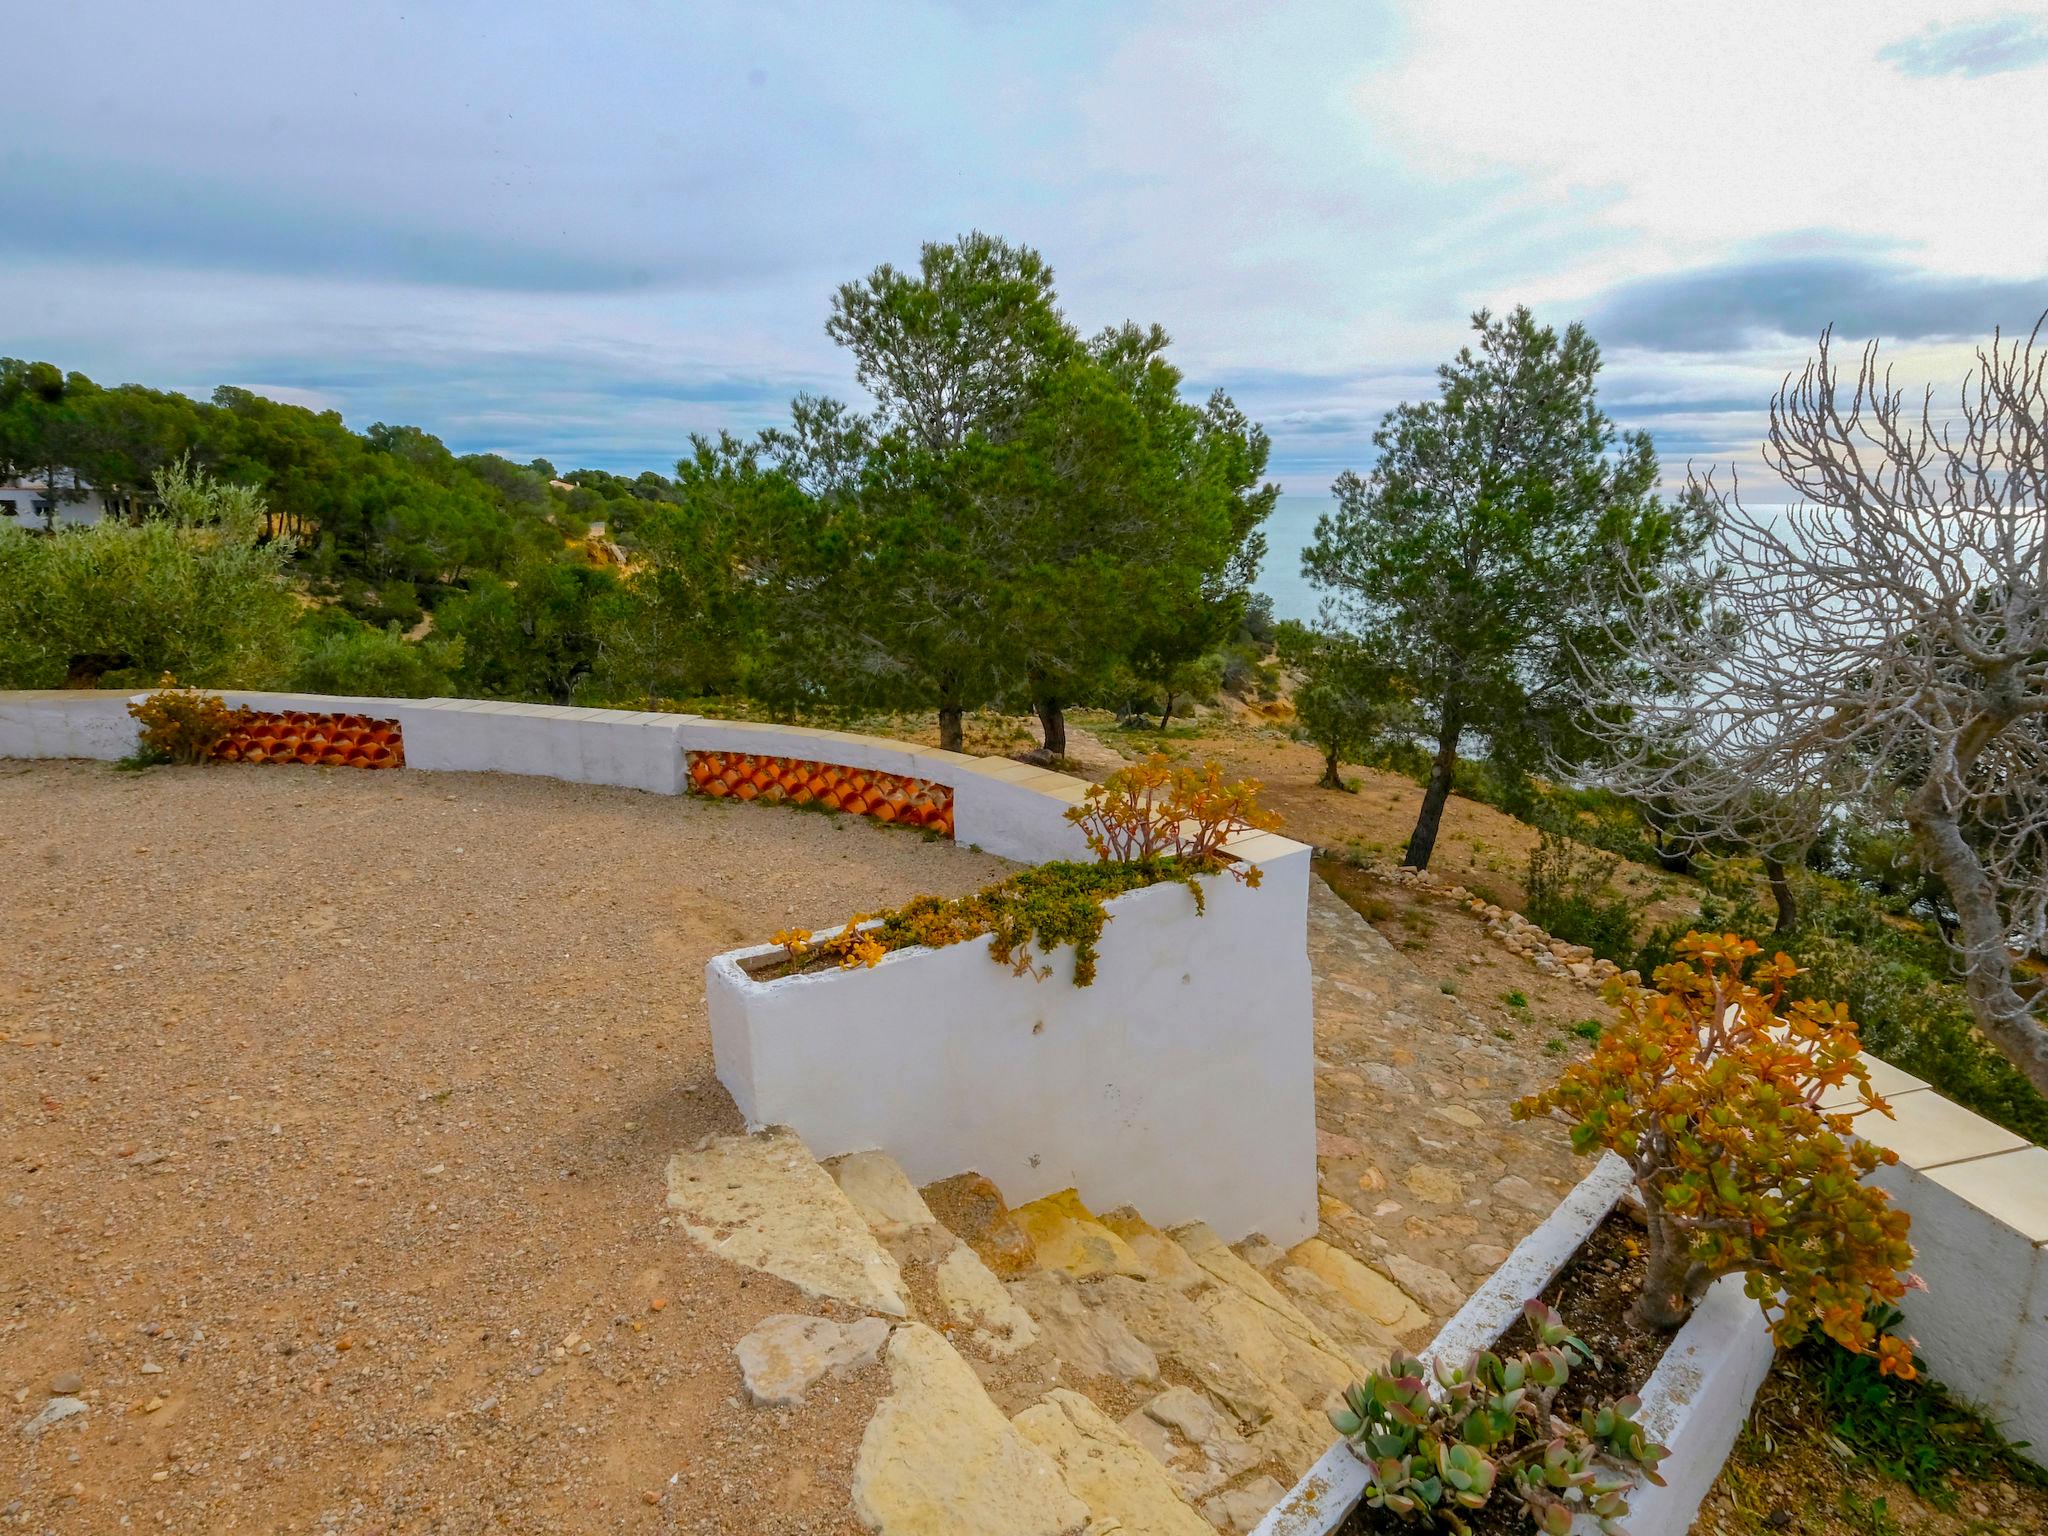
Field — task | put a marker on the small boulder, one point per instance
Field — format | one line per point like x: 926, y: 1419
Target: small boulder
x: 787, y: 1354
x: 54, y: 1412
x: 972, y: 1209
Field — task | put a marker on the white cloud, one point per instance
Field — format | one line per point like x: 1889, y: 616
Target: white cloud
x: 1697, y: 131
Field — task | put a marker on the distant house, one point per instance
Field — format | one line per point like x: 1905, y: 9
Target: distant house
x: 26, y: 503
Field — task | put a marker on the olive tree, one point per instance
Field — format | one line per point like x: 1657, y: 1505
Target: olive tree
x: 194, y: 590
x: 1879, y: 647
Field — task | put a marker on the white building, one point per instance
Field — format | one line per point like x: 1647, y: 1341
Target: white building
x: 26, y: 503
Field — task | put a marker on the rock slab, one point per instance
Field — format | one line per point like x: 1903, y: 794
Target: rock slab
x: 939, y: 1458
x: 764, y: 1202
x: 787, y: 1354
x: 1125, y: 1489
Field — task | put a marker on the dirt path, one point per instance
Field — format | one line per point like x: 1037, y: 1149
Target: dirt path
x: 333, y: 1111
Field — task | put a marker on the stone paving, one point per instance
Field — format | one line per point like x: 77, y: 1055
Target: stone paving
x: 1424, y: 1175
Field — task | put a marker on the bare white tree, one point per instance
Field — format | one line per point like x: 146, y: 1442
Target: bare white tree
x: 1881, y: 645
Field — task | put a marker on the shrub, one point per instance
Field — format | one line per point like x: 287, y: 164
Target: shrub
x: 1709, y: 1087
x: 1891, y: 975
x: 1153, y: 810
x: 1430, y: 1457
x: 1147, y: 824
x: 380, y: 662
x: 183, y: 725
x: 193, y: 591
x: 1567, y: 896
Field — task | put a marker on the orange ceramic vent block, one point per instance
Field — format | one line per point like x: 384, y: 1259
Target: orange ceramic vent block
x: 335, y: 741
x: 856, y: 791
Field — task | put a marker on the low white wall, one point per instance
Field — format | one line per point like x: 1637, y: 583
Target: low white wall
x: 1978, y: 1195
x: 67, y: 722
x: 999, y: 806
x: 95, y: 723
x: 632, y: 749
x: 1180, y: 1081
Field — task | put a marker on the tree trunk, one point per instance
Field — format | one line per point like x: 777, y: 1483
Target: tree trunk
x: 1664, y: 1304
x: 1166, y: 710
x: 2002, y: 1015
x: 1673, y: 860
x: 952, y: 736
x: 1781, y: 893
x: 1422, y: 841
x: 1330, y: 779
x: 1052, y: 720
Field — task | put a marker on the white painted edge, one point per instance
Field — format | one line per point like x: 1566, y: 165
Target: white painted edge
x: 1694, y: 1402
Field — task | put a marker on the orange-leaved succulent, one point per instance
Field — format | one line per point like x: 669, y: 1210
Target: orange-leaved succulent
x: 1712, y: 1087
x: 1155, y: 810
x: 184, y: 725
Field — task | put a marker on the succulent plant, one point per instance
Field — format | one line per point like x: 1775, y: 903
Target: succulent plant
x: 1440, y: 1439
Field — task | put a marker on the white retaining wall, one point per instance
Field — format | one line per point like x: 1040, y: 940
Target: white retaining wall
x: 633, y: 749
x: 1180, y: 1081
x: 67, y: 722
x: 1979, y: 1198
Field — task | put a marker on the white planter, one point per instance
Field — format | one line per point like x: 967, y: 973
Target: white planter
x: 1694, y: 1402
x: 1181, y: 1081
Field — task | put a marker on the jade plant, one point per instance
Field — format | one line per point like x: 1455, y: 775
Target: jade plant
x: 1733, y: 1109
x: 1147, y: 824
x: 1154, y: 811
x: 1439, y: 1443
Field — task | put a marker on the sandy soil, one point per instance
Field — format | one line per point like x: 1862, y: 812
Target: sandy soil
x: 333, y: 1112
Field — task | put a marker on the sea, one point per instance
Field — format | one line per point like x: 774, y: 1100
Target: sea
x: 1291, y: 529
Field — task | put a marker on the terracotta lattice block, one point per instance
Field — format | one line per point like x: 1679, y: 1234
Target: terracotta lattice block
x: 856, y: 791
x: 337, y: 741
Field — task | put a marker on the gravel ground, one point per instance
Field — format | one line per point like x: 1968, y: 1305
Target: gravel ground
x: 333, y: 1111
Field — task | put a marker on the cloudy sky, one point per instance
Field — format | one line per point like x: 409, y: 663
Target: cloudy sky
x: 587, y: 230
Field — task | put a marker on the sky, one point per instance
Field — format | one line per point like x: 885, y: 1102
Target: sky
x: 587, y: 231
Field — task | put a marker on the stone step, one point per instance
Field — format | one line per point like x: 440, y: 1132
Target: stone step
x: 764, y: 1202
x: 1127, y: 1489
x: 939, y: 1457
x: 971, y: 1305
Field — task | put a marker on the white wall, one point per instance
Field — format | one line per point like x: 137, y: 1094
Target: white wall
x: 21, y: 501
x: 1978, y: 1195
x: 632, y: 749
x: 67, y: 722
x: 1181, y: 1081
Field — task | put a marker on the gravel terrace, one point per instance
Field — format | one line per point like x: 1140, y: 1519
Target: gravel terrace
x: 333, y: 1112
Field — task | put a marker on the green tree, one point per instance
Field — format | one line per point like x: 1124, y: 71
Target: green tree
x: 953, y: 348
x: 1506, y: 523
x: 534, y: 636
x: 1348, y: 698
x: 193, y: 591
